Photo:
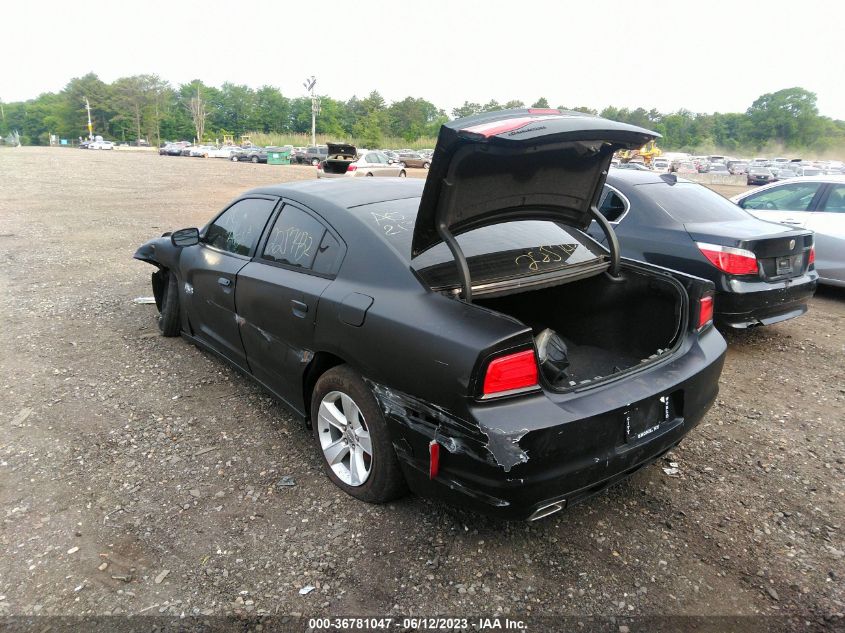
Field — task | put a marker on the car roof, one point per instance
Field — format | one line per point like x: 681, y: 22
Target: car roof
x: 347, y: 192
x: 638, y: 177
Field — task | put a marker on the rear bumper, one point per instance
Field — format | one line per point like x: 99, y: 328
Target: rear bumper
x: 755, y: 303
x: 519, y: 458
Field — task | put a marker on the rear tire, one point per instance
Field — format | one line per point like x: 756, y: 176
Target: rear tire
x: 370, y: 174
x: 426, y: 165
x: 315, y: 162
x: 169, y: 321
x: 382, y: 477
x: 255, y: 159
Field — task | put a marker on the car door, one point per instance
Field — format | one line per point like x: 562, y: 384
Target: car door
x: 828, y: 223
x: 278, y: 298
x: 789, y: 203
x: 210, y: 269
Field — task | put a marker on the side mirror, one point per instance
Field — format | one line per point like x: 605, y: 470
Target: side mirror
x: 185, y: 237
x: 390, y: 161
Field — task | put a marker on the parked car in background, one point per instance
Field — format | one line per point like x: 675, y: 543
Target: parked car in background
x: 412, y: 159
x: 343, y: 160
x: 186, y: 150
x: 501, y: 374
x: 312, y: 155
x: 200, y: 151
x: 633, y: 166
x: 719, y: 169
x: 738, y: 167
x: 763, y: 272
x: 660, y: 164
x: 101, y: 145
x: 175, y: 149
x: 814, y: 202
x: 226, y: 151
x: 783, y: 171
x: 760, y: 162
x: 807, y: 170
x: 686, y: 167
x: 759, y: 175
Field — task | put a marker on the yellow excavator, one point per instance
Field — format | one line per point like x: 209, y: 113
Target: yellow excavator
x: 647, y: 152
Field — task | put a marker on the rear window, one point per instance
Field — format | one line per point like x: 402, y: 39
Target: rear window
x: 494, y: 253
x: 691, y: 202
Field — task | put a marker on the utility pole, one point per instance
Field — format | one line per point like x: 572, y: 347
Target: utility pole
x: 90, y: 125
x: 315, y: 106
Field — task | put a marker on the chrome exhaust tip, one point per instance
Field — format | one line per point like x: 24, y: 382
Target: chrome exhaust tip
x: 547, y: 510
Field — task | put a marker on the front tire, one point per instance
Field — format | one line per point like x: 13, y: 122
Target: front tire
x: 168, y: 321
x: 315, y: 162
x: 352, y: 436
x: 426, y: 165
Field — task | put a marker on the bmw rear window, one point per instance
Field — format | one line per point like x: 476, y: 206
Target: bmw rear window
x: 691, y: 202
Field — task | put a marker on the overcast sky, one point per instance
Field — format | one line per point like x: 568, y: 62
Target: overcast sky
x: 704, y: 56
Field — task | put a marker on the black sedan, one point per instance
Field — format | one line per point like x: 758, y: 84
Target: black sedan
x: 763, y: 271
x: 461, y: 336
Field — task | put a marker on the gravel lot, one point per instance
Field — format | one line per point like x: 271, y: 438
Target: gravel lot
x: 141, y: 475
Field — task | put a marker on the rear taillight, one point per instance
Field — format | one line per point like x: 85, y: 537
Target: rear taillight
x: 511, y: 373
x: 352, y: 168
x: 734, y: 261
x: 705, y: 312
x: 811, y: 259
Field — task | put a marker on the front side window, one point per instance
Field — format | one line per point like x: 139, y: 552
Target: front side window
x: 371, y: 158
x: 238, y: 229
x: 790, y: 197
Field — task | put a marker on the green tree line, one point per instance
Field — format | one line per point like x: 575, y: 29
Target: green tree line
x: 145, y: 106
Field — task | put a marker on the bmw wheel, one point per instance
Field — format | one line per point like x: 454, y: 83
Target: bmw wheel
x: 357, y: 453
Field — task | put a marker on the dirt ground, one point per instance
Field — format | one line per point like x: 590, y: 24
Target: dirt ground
x: 139, y: 474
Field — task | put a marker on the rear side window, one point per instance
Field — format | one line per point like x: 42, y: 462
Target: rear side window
x: 295, y: 239
x: 691, y: 202
x: 238, y: 228
x: 612, y: 205
x: 329, y: 255
x: 795, y: 196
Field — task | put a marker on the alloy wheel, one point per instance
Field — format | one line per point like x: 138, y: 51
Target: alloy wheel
x: 345, y: 438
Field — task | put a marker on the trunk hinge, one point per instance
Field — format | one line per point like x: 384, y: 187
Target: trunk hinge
x: 612, y: 241
x: 460, y: 260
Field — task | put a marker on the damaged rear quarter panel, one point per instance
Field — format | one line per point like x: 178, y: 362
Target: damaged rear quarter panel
x: 493, y: 446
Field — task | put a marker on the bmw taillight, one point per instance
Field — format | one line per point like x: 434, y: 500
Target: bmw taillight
x: 705, y: 312
x: 811, y: 259
x: 511, y: 374
x: 730, y: 260
x: 352, y: 168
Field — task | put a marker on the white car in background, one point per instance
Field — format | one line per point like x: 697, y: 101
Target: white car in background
x: 200, y: 151
x: 344, y: 160
x: 101, y: 145
x: 223, y: 152
x: 812, y: 202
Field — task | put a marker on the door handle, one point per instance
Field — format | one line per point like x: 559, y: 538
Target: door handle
x: 224, y: 282
x: 299, y: 308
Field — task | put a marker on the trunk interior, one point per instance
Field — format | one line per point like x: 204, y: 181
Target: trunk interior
x: 337, y: 163
x: 603, y: 326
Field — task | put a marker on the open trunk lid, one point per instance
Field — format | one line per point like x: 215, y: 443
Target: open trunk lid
x: 518, y: 164
x: 342, y: 149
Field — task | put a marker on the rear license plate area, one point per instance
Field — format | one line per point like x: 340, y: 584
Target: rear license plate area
x: 783, y: 266
x: 646, y: 418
